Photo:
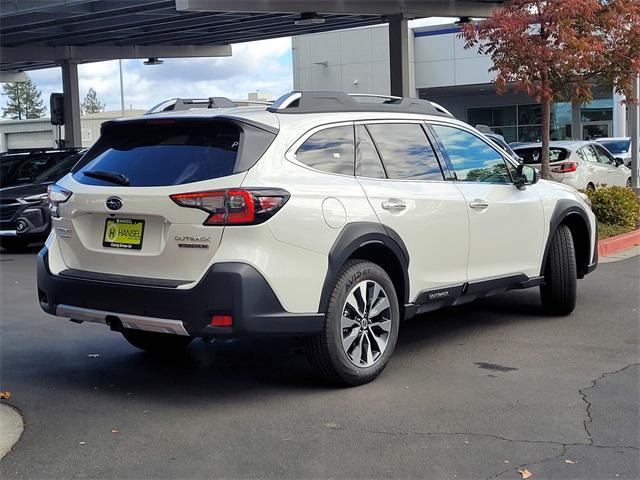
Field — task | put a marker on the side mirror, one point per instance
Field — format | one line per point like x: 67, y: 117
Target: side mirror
x: 525, y: 175
x: 618, y: 161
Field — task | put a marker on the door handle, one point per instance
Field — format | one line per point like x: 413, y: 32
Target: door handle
x: 478, y: 204
x: 393, y: 204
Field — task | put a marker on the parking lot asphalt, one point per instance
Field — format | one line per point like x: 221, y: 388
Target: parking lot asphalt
x: 477, y: 391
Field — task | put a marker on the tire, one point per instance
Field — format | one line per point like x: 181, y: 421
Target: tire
x: 354, y: 349
x: 156, y: 343
x: 558, y: 294
x: 591, y: 187
x: 628, y: 185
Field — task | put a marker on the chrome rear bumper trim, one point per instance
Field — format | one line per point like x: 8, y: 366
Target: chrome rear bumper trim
x: 136, y: 322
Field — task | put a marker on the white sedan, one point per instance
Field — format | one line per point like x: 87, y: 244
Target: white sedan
x: 580, y: 164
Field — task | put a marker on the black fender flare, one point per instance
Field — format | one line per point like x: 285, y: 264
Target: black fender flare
x: 562, y: 210
x: 351, y: 238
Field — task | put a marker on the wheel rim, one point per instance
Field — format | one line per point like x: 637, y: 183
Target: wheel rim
x: 366, y: 323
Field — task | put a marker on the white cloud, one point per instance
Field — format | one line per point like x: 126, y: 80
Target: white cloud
x: 262, y: 65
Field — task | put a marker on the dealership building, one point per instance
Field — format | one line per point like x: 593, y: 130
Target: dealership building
x: 442, y: 70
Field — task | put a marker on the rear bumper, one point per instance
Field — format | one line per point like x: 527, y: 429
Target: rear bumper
x: 235, y: 289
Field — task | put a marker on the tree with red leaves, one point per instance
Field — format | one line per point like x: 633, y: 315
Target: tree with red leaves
x: 556, y: 50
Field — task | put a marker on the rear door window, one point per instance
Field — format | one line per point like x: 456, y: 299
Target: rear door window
x: 158, y: 154
x: 589, y: 154
x: 330, y: 150
x: 406, y: 151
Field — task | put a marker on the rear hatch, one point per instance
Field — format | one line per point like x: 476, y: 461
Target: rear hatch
x: 120, y: 219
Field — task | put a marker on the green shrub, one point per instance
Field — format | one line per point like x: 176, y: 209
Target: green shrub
x: 616, y: 206
x: 605, y: 230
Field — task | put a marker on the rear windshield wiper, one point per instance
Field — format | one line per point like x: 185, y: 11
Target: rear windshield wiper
x: 112, y: 177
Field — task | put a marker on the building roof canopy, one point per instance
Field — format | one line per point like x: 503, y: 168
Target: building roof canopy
x: 41, y: 33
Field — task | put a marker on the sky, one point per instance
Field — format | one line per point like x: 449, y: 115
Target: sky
x: 264, y: 65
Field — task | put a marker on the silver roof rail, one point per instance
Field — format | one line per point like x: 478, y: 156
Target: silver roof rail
x: 322, y: 102
x: 176, y: 104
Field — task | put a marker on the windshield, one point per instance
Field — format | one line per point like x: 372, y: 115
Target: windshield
x: 617, y: 146
x: 531, y: 155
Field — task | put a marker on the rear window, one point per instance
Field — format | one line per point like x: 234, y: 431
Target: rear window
x: 531, y: 156
x: 158, y: 154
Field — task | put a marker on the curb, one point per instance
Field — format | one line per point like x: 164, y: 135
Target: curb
x: 612, y: 245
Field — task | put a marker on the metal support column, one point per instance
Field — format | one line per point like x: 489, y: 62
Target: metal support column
x: 72, y: 131
x: 576, y: 122
x: 399, y: 56
x: 634, y: 132
x: 619, y: 116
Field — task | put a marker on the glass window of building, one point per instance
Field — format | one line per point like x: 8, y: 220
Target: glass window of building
x: 523, y: 123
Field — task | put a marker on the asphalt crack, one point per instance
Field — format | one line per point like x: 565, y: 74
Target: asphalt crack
x: 587, y: 421
x: 564, y: 446
x: 565, y: 449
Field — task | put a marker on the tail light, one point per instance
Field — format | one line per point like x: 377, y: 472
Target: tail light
x: 56, y: 195
x: 235, y: 206
x: 565, y: 168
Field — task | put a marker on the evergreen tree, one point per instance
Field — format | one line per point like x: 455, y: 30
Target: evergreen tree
x: 24, y: 100
x: 91, y: 104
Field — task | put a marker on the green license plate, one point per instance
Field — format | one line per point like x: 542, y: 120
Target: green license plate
x: 123, y: 233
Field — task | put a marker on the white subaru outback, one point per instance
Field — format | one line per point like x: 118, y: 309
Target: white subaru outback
x: 324, y: 215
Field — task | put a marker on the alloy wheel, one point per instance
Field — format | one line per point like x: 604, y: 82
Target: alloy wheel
x: 366, y: 323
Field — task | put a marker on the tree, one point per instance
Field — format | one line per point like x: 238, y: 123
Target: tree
x: 24, y: 100
x: 91, y: 104
x: 557, y: 50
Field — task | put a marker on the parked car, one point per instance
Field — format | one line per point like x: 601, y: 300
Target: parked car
x: 322, y: 216
x: 24, y: 212
x: 580, y: 164
x: 619, y: 147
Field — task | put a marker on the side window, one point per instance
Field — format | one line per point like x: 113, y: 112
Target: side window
x: 406, y: 151
x: 472, y: 159
x: 368, y: 162
x: 330, y: 150
x: 603, y: 155
x: 589, y: 154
